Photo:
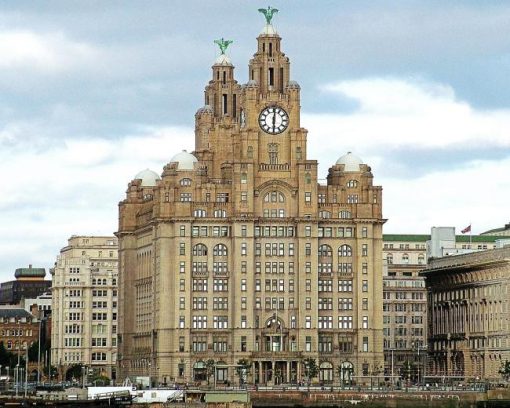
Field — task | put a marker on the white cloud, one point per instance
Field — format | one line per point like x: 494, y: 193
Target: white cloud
x: 51, y: 52
x: 415, y: 116
x: 409, y: 113
x: 73, y: 188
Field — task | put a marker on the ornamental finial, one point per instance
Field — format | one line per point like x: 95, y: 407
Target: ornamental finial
x: 223, y: 44
x: 268, y: 13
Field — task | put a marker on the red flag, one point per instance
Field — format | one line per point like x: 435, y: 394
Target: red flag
x: 467, y: 229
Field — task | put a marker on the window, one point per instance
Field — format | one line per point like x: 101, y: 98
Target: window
x: 220, y: 250
x: 344, y: 251
x: 199, y: 322
x: 364, y: 250
x: 182, y: 248
x: 243, y: 285
x: 308, y: 198
x: 244, y: 249
x: 345, y: 285
x: 220, y: 214
x: 308, y: 322
x: 308, y: 231
x: 185, y: 182
x: 182, y: 322
x: 185, y: 197
x: 325, y: 322
x: 199, y: 213
x: 243, y: 322
x: 364, y: 324
x: 364, y: 286
x: 200, y: 250
x: 345, y: 322
x: 364, y: 232
x: 365, y: 345
x: 344, y: 214
x: 220, y: 322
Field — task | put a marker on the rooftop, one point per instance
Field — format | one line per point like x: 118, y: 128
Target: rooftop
x: 30, y: 272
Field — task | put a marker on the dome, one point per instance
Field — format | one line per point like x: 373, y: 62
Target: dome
x: 185, y: 160
x: 268, y: 30
x: 222, y: 60
x: 204, y: 109
x: 350, y: 161
x: 149, y: 178
x: 293, y: 85
x: 252, y: 84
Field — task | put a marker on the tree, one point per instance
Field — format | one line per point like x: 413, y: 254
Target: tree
x: 311, y: 368
x: 243, y: 369
x: 74, y: 372
x: 505, y: 370
x: 33, y: 351
x: 209, y: 369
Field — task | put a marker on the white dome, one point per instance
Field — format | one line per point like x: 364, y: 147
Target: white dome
x: 222, y: 60
x: 186, y: 160
x: 268, y: 30
x: 350, y: 161
x: 149, y: 178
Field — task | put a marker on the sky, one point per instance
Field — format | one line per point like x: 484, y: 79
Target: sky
x: 93, y: 92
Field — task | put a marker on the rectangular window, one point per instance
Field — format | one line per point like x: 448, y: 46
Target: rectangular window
x: 308, y: 343
x: 308, y: 197
x: 182, y: 231
x: 364, y: 250
x: 182, y: 248
x: 308, y: 322
x: 244, y: 249
x: 364, y: 286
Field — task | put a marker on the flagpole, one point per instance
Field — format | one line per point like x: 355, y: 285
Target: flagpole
x: 470, y: 235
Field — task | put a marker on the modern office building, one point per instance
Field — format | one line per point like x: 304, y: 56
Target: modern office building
x: 237, y: 253
x: 468, y: 327
x: 29, y: 283
x: 84, y: 306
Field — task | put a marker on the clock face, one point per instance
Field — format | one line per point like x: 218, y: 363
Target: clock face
x: 273, y: 120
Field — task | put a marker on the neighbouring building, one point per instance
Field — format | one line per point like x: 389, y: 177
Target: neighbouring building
x: 29, y: 283
x: 84, y: 306
x: 501, y: 232
x: 405, y: 294
x: 19, y: 329
x: 238, y: 253
x: 468, y: 299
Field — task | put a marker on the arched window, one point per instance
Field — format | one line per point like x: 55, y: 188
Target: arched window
x: 104, y: 281
x: 220, y: 250
x: 199, y: 371
x: 199, y: 250
x: 405, y: 258
x: 344, y: 214
x: 421, y: 259
x: 308, y: 178
x: 324, y: 214
x: 389, y: 259
x: 352, y: 183
x: 93, y: 281
x: 345, y: 250
x: 244, y: 178
x: 114, y: 281
x: 325, y: 250
x: 220, y: 214
x: 326, y: 372
x: 274, y: 197
x: 185, y: 182
x: 199, y: 213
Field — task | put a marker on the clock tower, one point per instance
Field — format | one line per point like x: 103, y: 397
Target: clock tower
x: 238, y: 253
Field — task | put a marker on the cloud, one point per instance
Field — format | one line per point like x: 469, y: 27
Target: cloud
x: 394, y: 113
x: 49, y: 53
x: 73, y: 188
x: 438, y: 159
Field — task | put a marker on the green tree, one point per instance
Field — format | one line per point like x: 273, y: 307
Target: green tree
x: 209, y: 369
x: 243, y: 370
x: 505, y: 370
x: 33, y: 351
x: 4, y: 355
x: 100, y: 380
x: 74, y: 372
x: 311, y: 368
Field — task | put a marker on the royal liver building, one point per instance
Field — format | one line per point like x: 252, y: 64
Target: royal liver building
x: 237, y: 255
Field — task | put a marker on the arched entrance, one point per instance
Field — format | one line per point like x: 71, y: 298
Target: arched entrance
x: 199, y: 371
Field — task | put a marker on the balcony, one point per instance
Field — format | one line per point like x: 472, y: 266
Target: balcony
x: 274, y: 167
x: 268, y: 355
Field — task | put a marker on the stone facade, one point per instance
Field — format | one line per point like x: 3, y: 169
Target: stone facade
x: 84, y: 306
x: 238, y: 253
x: 469, y: 333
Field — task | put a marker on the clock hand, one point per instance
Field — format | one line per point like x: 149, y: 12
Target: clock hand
x: 274, y: 121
